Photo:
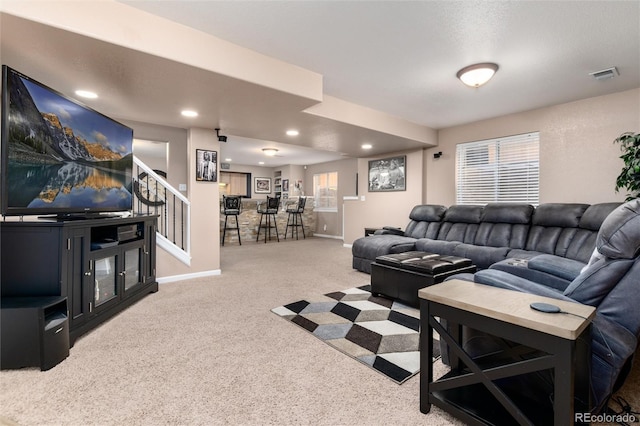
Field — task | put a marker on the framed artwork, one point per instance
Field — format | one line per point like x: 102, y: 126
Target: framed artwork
x: 206, y: 165
x: 285, y: 185
x: 388, y: 174
x: 262, y: 185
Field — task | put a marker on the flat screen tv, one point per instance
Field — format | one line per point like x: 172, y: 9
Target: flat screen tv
x: 60, y: 157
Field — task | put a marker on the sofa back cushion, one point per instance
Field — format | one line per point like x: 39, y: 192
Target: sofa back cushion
x: 460, y: 223
x: 504, y: 225
x: 584, y: 240
x: 619, y: 235
x: 618, y: 245
x: 553, y: 226
x: 424, y: 221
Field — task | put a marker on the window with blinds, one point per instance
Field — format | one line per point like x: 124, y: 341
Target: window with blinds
x: 502, y: 170
x: 325, y: 192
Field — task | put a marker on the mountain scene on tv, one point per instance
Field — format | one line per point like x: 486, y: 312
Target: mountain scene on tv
x: 63, y: 155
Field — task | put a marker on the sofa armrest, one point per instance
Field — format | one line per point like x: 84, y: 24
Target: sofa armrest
x: 389, y: 230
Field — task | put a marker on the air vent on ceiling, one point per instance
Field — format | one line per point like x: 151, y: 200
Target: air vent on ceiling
x: 605, y: 74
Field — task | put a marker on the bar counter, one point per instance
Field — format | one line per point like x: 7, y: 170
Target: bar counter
x: 249, y: 220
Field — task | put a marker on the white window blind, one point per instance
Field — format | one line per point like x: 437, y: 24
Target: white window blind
x: 325, y: 191
x: 499, y: 170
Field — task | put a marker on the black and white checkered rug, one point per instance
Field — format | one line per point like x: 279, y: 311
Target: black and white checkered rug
x: 376, y: 331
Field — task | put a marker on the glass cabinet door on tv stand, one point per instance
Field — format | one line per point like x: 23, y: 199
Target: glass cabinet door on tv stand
x: 132, y: 268
x: 105, y: 279
x: 115, y: 273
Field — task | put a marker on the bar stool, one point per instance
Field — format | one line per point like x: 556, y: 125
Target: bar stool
x: 294, y: 220
x: 231, y: 206
x: 268, y: 210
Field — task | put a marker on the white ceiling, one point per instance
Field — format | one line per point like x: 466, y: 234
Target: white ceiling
x: 396, y: 57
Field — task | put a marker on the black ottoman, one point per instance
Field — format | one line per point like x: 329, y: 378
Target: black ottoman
x: 400, y: 276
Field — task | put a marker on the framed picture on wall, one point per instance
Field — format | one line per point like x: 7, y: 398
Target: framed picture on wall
x: 206, y: 165
x: 262, y: 185
x: 285, y: 185
x: 388, y: 174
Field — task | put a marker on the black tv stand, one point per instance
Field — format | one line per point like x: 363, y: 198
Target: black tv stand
x: 100, y: 269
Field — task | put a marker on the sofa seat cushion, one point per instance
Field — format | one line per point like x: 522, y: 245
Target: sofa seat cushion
x: 565, y: 268
x: 482, y: 256
x: 553, y: 271
x: 377, y: 245
x: 523, y: 254
x: 437, y: 246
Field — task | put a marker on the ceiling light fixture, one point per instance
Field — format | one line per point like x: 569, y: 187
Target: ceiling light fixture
x: 478, y: 74
x: 261, y: 162
x: 86, y: 94
x: 270, y: 151
x: 189, y: 113
x: 292, y: 132
x: 367, y: 146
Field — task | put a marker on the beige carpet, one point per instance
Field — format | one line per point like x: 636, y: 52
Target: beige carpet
x: 210, y: 351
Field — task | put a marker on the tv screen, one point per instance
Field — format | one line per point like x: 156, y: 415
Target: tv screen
x: 59, y: 156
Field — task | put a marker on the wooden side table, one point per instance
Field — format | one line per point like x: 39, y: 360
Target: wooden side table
x: 489, y: 389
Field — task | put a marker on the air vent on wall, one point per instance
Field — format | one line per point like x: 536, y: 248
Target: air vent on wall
x: 605, y: 74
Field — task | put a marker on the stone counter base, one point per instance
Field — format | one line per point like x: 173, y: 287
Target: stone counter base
x: 249, y: 220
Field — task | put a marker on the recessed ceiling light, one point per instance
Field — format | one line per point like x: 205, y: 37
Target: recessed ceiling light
x: 227, y: 159
x: 86, y: 94
x: 261, y: 162
x: 270, y: 151
x: 292, y: 132
x: 367, y: 146
x: 189, y: 113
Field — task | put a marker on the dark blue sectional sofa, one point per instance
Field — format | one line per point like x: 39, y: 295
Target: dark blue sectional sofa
x: 494, y: 235
x: 587, y: 254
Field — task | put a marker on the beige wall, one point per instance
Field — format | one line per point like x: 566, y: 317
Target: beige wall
x: 205, y: 215
x: 347, y: 170
x: 378, y: 209
x: 177, y: 139
x: 578, y: 161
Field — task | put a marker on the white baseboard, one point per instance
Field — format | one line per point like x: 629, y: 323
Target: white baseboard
x: 335, y: 237
x: 182, y: 277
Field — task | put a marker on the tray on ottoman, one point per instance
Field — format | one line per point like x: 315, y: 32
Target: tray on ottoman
x: 400, y: 276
